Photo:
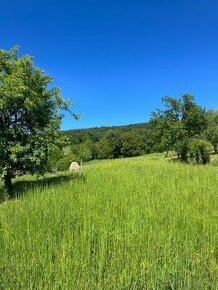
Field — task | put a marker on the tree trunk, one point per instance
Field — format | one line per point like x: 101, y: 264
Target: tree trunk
x: 8, y: 184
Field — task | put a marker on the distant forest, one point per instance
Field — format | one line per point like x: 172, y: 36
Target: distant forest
x: 103, y: 143
x: 184, y: 129
x: 113, y: 142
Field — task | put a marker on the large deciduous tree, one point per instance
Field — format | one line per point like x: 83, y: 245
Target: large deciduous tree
x: 29, y: 116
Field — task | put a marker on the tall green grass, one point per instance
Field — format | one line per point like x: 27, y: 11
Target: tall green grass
x: 140, y: 223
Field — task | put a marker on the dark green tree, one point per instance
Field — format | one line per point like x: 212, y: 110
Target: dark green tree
x: 167, y: 126
x: 104, y: 151
x: 115, y: 142
x: 181, y: 120
x: 29, y: 116
x: 132, y: 144
x: 198, y: 150
x: 211, y: 132
x: 193, y: 117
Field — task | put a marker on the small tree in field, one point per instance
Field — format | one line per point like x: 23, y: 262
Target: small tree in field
x: 29, y: 116
x: 181, y: 121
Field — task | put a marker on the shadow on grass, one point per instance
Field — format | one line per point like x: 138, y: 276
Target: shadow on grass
x: 23, y: 186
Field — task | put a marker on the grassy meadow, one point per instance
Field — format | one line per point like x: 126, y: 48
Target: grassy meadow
x: 137, y: 223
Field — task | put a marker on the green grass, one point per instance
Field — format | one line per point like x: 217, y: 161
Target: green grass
x: 139, y: 223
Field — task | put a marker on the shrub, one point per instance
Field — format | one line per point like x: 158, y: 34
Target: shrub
x: 182, y: 150
x: 198, y: 150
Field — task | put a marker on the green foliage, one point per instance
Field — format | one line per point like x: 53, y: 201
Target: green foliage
x: 193, y: 117
x: 29, y: 115
x: 167, y: 125
x: 55, y: 155
x: 139, y: 223
x: 181, y: 121
x: 211, y: 132
x: 114, y: 139
x: 132, y: 144
x: 170, y: 129
x: 60, y: 159
x: 182, y: 150
x: 84, y: 153
x: 78, y: 136
x: 63, y: 164
x: 107, y: 142
x: 104, y: 150
x: 198, y: 150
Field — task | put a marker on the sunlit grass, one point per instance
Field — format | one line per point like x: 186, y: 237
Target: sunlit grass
x: 139, y: 223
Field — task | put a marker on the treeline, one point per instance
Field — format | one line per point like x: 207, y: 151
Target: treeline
x: 187, y: 129
x: 182, y: 127
x: 103, y: 143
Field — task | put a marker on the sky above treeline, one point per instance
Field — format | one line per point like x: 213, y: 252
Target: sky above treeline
x: 115, y: 59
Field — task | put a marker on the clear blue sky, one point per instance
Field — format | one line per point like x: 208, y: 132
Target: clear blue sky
x: 116, y: 58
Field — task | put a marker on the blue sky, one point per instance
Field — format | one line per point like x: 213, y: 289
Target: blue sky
x: 115, y: 59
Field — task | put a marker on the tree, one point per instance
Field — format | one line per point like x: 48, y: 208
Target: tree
x: 104, y: 151
x: 132, y: 144
x: 84, y: 152
x: 167, y: 125
x: 193, y: 117
x: 29, y: 116
x: 211, y: 132
x: 55, y: 154
x: 115, y: 142
x: 198, y: 150
x: 181, y: 120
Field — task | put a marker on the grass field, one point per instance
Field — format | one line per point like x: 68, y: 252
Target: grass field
x: 138, y: 223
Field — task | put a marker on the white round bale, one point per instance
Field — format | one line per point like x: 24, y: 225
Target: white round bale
x: 74, y: 167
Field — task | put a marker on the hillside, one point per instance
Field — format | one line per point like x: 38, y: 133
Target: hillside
x: 136, y: 223
x: 95, y: 134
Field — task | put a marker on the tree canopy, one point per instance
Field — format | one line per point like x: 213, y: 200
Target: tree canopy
x: 179, y: 124
x: 29, y: 116
x: 211, y: 132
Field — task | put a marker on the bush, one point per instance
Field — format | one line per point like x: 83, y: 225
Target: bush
x: 198, y: 150
x: 182, y: 150
x: 64, y: 163
x: 132, y: 144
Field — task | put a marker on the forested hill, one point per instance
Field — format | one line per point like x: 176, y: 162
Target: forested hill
x: 183, y: 127
x: 77, y: 136
x: 104, y: 143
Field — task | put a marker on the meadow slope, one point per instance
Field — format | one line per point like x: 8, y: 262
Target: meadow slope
x: 138, y: 223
